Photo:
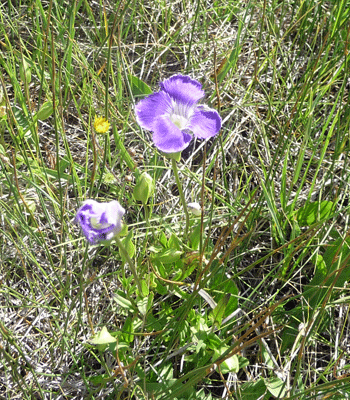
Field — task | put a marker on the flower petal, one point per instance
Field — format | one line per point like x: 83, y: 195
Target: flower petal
x: 168, y: 137
x: 151, y: 107
x: 205, y: 122
x: 100, y: 221
x: 114, y: 213
x: 183, y: 89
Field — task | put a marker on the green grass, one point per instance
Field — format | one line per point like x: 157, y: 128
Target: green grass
x: 253, y: 304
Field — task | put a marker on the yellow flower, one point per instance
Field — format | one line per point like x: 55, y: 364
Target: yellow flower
x: 101, y: 125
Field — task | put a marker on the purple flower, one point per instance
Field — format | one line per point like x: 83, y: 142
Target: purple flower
x: 100, y: 221
x: 173, y: 113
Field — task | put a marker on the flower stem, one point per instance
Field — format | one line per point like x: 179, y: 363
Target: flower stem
x: 130, y: 262
x: 182, y: 196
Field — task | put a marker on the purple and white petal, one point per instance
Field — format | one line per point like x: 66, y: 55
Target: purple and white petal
x: 173, y: 113
x: 168, y: 137
x: 115, y: 213
x: 100, y: 221
x: 151, y: 107
x: 205, y: 123
x: 183, y: 89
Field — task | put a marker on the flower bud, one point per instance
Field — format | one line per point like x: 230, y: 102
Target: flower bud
x: 144, y: 188
x: 195, y: 209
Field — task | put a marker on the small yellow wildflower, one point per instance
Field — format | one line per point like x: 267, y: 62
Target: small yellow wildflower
x: 101, y: 125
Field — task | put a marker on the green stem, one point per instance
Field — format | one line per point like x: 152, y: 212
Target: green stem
x: 130, y: 262
x: 182, y: 196
x: 146, y: 209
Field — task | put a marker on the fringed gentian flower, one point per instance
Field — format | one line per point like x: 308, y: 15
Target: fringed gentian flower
x: 100, y: 221
x: 173, y: 113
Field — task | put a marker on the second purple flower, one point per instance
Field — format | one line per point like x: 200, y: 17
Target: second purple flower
x: 173, y: 114
x: 100, y: 222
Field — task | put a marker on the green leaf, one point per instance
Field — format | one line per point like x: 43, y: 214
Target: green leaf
x: 174, y: 242
x: 142, y: 305
x: 321, y: 270
x: 25, y: 72
x: 252, y: 390
x: 99, y: 379
x: 23, y: 124
x: 128, y: 245
x: 46, y: 110
x: 276, y: 387
x: 217, y: 314
x: 243, y: 362
x: 145, y: 304
x: 138, y: 87
x: 163, y: 240
x: 314, y: 212
x: 2, y: 97
x: 123, y: 302
x: 122, y: 152
x: 335, y: 257
x: 169, y: 256
x: 222, y: 288
x: 230, y: 365
x: 102, y: 339
x: 195, y: 234
x: 127, y: 331
x: 145, y: 288
x: 231, y: 63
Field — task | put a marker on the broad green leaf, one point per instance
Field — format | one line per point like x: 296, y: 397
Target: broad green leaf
x: 221, y: 288
x: 46, y: 110
x: 138, y: 87
x: 99, y: 379
x: 321, y: 270
x: 127, y: 330
x: 276, y: 387
x: 142, y: 306
x: 169, y: 256
x: 243, y: 362
x: 145, y: 288
x: 252, y: 390
x: 174, y: 242
x: 102, y: 339
x: 123, y: 302
x: 230, y: 365
x: 314, y: 212
x: 163, y: 240
x: 145, y: 304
